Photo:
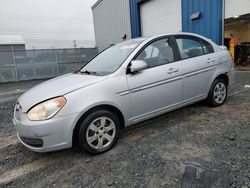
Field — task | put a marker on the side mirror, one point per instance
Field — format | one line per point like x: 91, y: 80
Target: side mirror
x: 138, y: 65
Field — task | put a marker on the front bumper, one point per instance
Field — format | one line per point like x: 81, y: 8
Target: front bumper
x: 44, y: 136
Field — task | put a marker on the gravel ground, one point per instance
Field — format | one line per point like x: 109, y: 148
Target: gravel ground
x: 149, y: 154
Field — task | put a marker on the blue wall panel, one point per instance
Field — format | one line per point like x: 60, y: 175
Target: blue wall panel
x: 210, y: 22
x: 135, y: 18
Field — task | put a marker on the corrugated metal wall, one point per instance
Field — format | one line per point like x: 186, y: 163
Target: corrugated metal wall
x: 135, y: 17
x: 111, y: 22
x: 210, y: 23
x: 115, y: 18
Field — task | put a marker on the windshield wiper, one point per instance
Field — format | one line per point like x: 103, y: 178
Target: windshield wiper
x: 88, y: 72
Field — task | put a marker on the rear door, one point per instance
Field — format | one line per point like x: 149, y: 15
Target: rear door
x: 197, y: 64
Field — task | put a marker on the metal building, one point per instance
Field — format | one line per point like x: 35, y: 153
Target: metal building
x: 111, y: 22
x: 10, y: 42
x: 117, y: 20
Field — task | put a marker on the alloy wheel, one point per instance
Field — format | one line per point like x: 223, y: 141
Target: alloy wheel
x: 101, y: 133
x: 220, y: 91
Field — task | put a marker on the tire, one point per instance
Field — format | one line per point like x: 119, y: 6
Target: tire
x: 218, y: 93
x: 98, y: 132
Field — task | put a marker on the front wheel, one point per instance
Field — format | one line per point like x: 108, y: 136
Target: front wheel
x: 218, y: 93
x: 98, y: 132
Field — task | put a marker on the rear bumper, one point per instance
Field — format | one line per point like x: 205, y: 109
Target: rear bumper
x: 231, y: 76
x: 48, y: 135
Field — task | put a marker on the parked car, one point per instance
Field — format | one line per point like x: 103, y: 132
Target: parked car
x: 125, y: 84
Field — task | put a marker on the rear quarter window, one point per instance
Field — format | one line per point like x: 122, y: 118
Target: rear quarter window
x: 207, y: 47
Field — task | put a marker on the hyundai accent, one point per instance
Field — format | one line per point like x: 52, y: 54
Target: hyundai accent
x: 125, y: 84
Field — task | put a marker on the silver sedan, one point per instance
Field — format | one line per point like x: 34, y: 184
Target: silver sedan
x: 125, y: 84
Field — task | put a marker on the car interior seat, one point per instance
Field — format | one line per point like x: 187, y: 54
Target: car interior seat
x: 166, y: 54
x: 193, y: 52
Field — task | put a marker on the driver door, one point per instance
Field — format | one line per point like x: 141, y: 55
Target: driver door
x: 158, y: 88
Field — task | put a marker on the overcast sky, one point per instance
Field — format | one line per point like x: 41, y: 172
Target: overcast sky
x: 48, y: 23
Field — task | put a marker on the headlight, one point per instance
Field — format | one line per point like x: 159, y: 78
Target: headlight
x: 47, y: 109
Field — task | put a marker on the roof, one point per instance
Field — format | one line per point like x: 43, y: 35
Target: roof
x: 11, y: 39
x: 96, y: 3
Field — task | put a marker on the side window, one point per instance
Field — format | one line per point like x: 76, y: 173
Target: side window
x: 151, y: 51
x: 157, y: 53
x: 207, y: 47
x: 189, y: 47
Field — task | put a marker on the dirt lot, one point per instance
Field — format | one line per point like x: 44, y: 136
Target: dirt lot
x: 150, y: 154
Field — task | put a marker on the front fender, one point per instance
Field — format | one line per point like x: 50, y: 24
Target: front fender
x: 104, y: 93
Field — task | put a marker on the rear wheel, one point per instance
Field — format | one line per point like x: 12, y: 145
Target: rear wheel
x: 218, y: 93
x: 98, y: 132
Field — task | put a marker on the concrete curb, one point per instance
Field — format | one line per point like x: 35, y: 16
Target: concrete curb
x: 242, y: 69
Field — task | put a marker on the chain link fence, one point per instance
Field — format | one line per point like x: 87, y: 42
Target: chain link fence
x: 18, y: 65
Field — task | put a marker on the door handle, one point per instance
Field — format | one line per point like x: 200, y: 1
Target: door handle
x: 172, y: 70
x: 209, y: 60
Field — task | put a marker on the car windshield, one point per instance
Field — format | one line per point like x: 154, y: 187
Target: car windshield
x: 111, y: 59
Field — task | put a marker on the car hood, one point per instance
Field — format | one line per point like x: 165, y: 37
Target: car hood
x: 56, y: 87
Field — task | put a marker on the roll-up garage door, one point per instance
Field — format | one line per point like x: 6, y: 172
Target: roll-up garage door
x: 160, y: 16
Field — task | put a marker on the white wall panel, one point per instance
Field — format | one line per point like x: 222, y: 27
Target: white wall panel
x: 236, y: 8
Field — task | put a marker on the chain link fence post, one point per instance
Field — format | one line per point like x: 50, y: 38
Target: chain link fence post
x: 14, y: 60
x: 57, y: 63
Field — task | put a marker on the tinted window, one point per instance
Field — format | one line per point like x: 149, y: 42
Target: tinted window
x: 157, y: 53
x: 207, y: 47
x: 189, y: 47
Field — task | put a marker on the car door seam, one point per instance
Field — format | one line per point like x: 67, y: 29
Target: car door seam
x: 198, y: 71
x: 148, y: 86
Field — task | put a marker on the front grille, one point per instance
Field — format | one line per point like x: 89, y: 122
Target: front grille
x: 18, y: 112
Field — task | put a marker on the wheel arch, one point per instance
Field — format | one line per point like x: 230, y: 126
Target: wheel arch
x: 223, y: 76
x: 210, y: 97
x: 108, y: 107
